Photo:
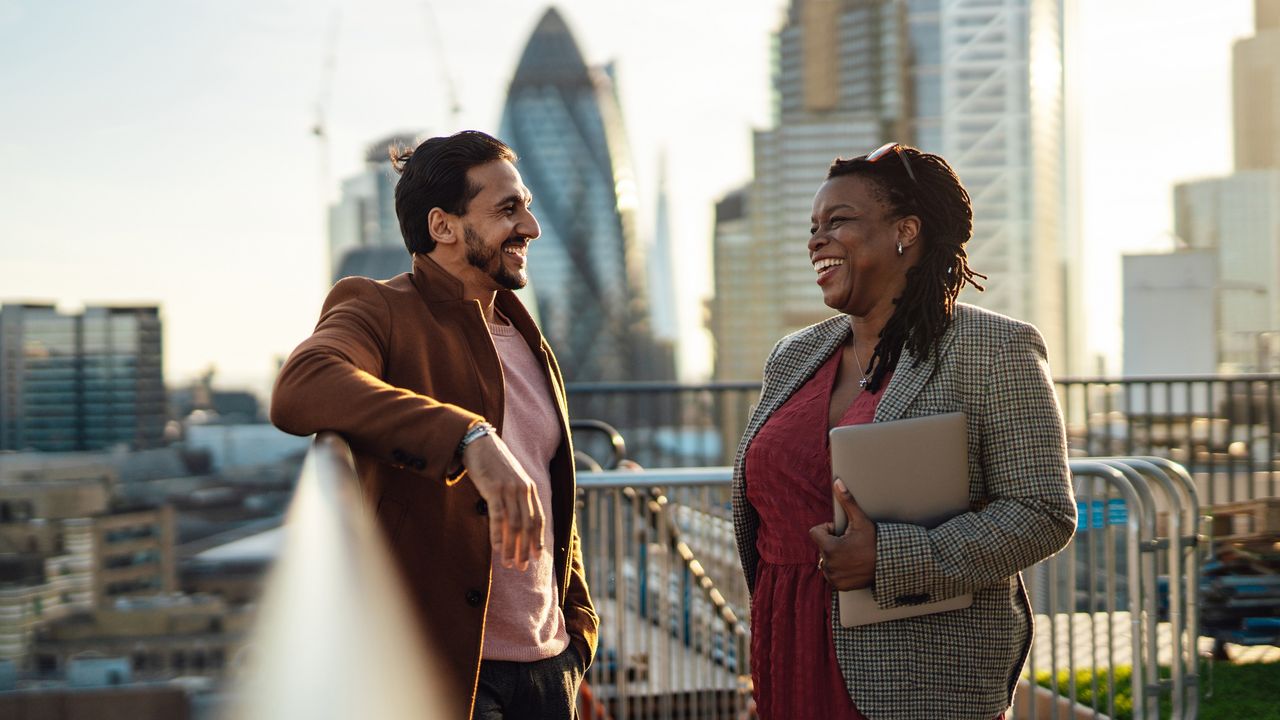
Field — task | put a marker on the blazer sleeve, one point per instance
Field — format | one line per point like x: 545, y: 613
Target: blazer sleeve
x: 1030, y: 512
x: 332, y: 381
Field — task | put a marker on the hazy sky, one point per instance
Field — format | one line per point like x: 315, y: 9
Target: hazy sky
x: 160, y: 151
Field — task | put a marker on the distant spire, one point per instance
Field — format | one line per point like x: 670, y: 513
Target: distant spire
x: 661, y: 269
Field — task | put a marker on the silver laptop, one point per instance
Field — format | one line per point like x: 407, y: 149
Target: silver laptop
x: 907, y: 471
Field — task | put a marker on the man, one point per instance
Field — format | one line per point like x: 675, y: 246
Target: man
x: 455, y: 410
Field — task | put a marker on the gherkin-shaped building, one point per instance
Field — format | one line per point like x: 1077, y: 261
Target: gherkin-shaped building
x: 587, y: 271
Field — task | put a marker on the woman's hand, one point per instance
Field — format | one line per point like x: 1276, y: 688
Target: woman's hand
x: 847, y: 560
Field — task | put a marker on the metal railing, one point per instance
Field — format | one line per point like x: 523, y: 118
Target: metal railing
x: 1100, y: 603
x: 664, y: 575
x: 1224, y: 429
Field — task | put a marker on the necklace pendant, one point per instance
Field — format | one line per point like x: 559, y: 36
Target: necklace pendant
x: 862, y: 384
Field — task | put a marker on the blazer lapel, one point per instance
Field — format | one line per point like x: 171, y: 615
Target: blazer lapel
x: 910, y: 378
x: 799, y: 360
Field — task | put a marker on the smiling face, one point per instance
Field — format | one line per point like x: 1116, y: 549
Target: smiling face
x: 497, y: 229
x: 853, y: 246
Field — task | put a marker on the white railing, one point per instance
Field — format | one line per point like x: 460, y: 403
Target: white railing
x: 1098, y: 602
x: 335, y: 637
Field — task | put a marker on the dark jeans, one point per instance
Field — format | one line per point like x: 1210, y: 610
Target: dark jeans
x: 539, y: 690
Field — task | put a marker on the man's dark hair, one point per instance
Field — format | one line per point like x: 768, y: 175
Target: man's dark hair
x: 923, y: 312
x: 434, y: 175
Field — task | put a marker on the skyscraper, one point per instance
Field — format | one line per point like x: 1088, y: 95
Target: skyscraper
x: 662, y: 281
x: 977, y: 82
x: 841, y: 86
x: 1237, y: 218
x: 988, y: 93
x: 588, y: 270
x: 1256, y: 91
x: 80, y: 382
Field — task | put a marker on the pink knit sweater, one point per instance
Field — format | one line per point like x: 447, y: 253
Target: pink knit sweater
x: 524, y: 622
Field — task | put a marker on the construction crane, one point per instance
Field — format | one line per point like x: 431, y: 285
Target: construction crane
x: 433, y: 34
x: 320, y: 129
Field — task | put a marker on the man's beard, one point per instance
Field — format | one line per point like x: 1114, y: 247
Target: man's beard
x: 489, y: 261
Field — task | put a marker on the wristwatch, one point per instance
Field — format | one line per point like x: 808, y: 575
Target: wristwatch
x: 478, y: 429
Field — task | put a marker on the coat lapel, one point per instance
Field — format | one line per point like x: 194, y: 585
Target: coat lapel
x: 910, y: 378
x: 799, y: 360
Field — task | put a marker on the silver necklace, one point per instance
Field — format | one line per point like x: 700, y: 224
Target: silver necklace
x: 862, y: 384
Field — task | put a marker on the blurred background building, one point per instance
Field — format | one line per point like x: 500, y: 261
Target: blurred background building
x: 1229, y: 227
x: 364, y: 235
x: 80, y: 381
x: 589, y: 271
x: 979, y: 83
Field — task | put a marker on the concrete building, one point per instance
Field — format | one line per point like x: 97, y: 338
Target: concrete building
x: 588, y: 271
x: 41, y: 586
x: 133, y: 554
x: 740, y: 278
x: 979, y: 83
x: 63, y: 550
x: 157, y: 638
x: 1256, y: 91
x: 1170, y: 313
x: 1237, y: 219
x: 80, y: 381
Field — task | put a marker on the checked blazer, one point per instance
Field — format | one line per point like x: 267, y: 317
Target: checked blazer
x: 962, y: 664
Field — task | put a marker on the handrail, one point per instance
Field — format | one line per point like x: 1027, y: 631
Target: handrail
x: 653, y: 482
x: 334, y: 635
x: 658, y: 505
x: 617, y: 445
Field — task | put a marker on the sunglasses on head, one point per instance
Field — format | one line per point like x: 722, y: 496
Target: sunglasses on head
x: 885, y: 149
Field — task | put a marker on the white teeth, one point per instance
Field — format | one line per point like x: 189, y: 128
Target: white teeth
x: 825, y: 263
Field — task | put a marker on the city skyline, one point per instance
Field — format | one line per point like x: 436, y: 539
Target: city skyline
x: 165, y: 155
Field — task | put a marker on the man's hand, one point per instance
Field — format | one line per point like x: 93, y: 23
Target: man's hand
x: 848, y: 560
x: 515, y: 512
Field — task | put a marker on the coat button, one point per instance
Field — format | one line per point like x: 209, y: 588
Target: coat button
x: 474, y: 598
x: 482, y: 507
x: 398, y: 455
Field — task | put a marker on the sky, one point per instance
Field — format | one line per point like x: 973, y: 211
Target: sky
x: 162, y: 152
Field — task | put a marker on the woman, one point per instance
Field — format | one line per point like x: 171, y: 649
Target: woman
x: 887, y: 242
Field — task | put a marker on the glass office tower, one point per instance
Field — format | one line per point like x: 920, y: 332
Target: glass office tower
x: 80, y: 382
x: 588, y: 270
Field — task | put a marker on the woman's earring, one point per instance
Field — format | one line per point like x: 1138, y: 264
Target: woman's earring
x: 899, y: 247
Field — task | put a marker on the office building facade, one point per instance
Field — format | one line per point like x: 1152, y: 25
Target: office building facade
x: 1256, y: 91
x: 80, y: 381
x: 1237, y: 219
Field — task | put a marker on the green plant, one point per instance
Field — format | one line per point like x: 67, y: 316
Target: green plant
x: 1227, y: 691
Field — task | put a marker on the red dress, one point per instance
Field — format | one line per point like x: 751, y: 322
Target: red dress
x: 788, y: 470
